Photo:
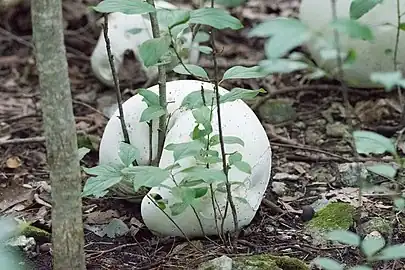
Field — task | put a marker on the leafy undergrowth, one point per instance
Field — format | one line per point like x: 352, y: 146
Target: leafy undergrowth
x: 307, y: 137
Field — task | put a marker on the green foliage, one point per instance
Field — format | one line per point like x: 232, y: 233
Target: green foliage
x: 388, y: 79
x: 344, y: 237
x: 124, y: 6
x: 195, y: 99
x: 154, y: 110
x: 230, y: 3
x: 189, y: 69
x: 367, y: 142
x: 353, y: 28
x: 373, y: 248
x: 239, y: 93
x: 215, y: 17
x: 82, y: 152
x: 152, y: 50
x: 358, y: 8
x: 240, y: 72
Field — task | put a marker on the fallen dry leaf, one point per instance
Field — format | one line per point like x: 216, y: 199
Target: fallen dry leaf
x: 13, y: 162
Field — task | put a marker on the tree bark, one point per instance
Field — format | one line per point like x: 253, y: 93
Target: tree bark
x: 60, y: 132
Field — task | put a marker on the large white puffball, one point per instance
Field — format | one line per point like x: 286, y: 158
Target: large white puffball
x: 237, y: 120
x: 371, y: 56
x: 119, y: 25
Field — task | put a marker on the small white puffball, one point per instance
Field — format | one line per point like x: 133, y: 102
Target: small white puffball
x: 371, y: 56
x: 119, y: 25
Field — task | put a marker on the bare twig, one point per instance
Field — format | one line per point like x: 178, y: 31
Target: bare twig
x: 116, y: 82
x: 25, y: 140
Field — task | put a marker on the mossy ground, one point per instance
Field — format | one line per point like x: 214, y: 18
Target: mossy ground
x: 335, y: 215
x: 270, y: 262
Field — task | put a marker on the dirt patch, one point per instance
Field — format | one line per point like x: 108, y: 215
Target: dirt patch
x: 307, y: 149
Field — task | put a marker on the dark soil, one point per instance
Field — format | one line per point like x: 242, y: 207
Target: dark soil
x: 277, y: 227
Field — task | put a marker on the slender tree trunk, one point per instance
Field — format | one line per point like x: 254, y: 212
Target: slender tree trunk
x: 60, y: 132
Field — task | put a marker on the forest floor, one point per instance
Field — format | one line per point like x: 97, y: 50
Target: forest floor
x: 307, y: 142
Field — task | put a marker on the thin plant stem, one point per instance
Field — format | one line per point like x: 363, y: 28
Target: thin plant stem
x: 221, y: 137
x: 175, y: 224
x: 150, y: 142
x: 162, y: 88
x: 116, y: 82
x: 193, y: 208
x: 395, y: 60
x: 340, y: 61
x: 181, y: 60
x: 213, y: 199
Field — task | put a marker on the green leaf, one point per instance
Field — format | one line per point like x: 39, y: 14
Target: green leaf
x: 149, y: 97
x: 124, y: 6
x: 208, y: 175
x: 385, y: 170
x: 215, y: 17
x: 200, y: 192
x: 209, y: 157
x: 371, y: 245
x: 202, y: 115
x: 104, y: 170
x: 328, y: 264
x: 205, y: 49
x: 360, y: 7
x: 388, y: 79
x: 153, y: 49
x: 234, y: 157
x: 151, y: 113
x: 367, y: 142
x: 146, y: 176
x: 402, y: 26
x: 243, y: 166
x: 360, y: 267
x: 239, y: 93
x: 194, y: 99
x: 278, y: 26
x: 230, y: 3
x: 282, y: 65
x: 170, y: 18
x: 353, y: 29
x: 344, y: 237
x: 187, y: 195
x: 182, y: 150
x: 214, y: 140
x: 178, y: 208
x: 82, y: 151
x: 240, y: 72
x: 201, y: 37
x: 128, y: 153
x: 389, y: 253
x: 98, y: 186
x: 195, y: 70
x: 286, y: 34
x: 199, y: 134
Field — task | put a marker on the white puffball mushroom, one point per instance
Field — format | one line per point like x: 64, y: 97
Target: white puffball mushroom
x: 119, y: 26
x: 371, y: 56
x: 237, y: 120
